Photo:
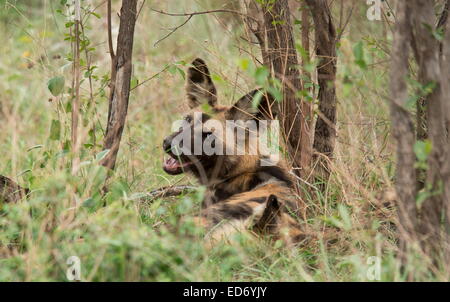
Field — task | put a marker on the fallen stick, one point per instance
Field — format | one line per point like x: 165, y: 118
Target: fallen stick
x: 12, y: 192
x: 168, y: 192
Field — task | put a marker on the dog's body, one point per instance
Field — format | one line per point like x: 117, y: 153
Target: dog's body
x: 243, y: 191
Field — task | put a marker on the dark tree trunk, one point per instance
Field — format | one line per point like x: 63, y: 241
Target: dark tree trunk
x: 402, y: 126
x: 120, y: 82
x: 428, y: 60
x: 445, y: 85
x: 421, y: 112
x: 414, y: 20
x: 325, y: 35
x: 283, y: 64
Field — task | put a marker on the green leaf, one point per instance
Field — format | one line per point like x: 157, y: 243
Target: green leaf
x: 278, y: 22
x: 96, y: 15
x: 217, y: 78
x: 174, y: 69
x: 206, y: 108
x: 303, y: 52
x: 358, y: 52
x: 276, y: 93
x: 310, y: 67
x: 422, y: 149
x: 257, y: 99
x: 428, y: 88
x: 89, y: 202
x: 346, y: 220
x: 244, y: 64
x: 56, y: 85
x: 134, y: 82
x: 101, y: 155
x: 261, y: 74
x: 55, y: 130
x: 182, y: 73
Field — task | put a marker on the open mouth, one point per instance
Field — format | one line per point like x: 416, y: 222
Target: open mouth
x: 175, y: 166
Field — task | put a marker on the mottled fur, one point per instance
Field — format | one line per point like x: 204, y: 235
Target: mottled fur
x: 241, y: 193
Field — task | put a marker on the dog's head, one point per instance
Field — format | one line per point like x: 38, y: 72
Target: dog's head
x: 213, y: 140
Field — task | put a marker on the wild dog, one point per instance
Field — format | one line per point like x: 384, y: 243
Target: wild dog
x: 246, y: 191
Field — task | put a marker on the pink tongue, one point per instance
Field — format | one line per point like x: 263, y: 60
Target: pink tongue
x: 172, y: 163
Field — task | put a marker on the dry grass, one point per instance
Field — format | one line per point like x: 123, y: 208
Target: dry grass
x: 119, y: 238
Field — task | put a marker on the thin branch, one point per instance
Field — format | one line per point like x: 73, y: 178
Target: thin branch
x: 110, y: 42
x: 76, y: 100
x: 189, y: 17
x: 150, y: 78
x: 173, y: 30
x: 347, y: 21
x: 140, y: 8
x: 204, y: 12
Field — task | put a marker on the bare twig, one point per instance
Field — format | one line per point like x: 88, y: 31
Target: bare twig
x: 189, y: 17
x: 173, y: 30
x: 150, y: 78
x: 110, y: 43
x: 76, y: 100
x: 204, y: 12
x: 140, y: 8
x: 347, y: 21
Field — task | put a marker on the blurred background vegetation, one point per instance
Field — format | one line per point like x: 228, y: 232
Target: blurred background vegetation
x: 120, y: 236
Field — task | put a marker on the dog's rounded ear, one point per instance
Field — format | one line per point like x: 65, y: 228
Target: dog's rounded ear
x: 270, y: 217
x: 256, y: 104
x: 199, y: 85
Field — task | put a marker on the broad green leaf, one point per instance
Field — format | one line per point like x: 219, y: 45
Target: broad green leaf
x: 56, y: 85
x: 101, y: 155
x: 55, y: 130
x: 261, y: 74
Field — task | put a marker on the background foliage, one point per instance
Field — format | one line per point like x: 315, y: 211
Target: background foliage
x: 121, y: 237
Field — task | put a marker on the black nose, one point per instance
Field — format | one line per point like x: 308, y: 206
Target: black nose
x: 167, y: 144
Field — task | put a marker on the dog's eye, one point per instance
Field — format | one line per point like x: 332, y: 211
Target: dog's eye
x: 188, y: 119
